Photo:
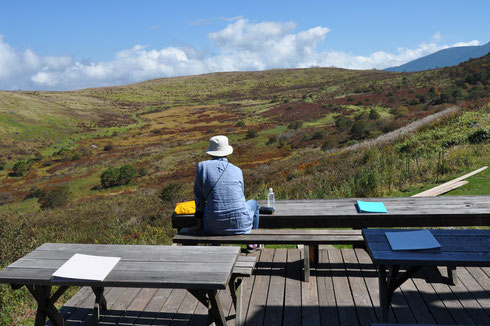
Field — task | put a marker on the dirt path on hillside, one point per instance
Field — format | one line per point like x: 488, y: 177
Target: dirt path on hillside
x: 396, y: 134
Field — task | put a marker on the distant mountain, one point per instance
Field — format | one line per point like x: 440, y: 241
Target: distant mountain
x: 443, y: 58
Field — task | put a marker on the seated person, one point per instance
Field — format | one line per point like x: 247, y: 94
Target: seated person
x: 219, y: 193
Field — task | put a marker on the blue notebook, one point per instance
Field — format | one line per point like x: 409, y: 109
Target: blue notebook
x: 370, y: 207
x: 412, y: 240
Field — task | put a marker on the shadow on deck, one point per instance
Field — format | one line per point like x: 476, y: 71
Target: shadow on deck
x: 343, y: 290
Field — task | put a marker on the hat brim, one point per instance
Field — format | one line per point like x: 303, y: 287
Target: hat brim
x: 224, y: 152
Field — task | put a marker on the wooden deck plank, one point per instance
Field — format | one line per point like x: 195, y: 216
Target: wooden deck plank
x: 343, y: 290
x: 185, y: 311
x: 432, y: 300
x: 475, y: 288
x: 258, y: 300
x: 481, y: 277
x: 370, y: 275
x: 450, y: 301
x: 362, y: 301
x: 469, y: 303
x: 417, y: 304
x: 275, y: 299
x: 326, y: 296
x: 343, y: 295
x: 292, y: 293
x: 310, y: 312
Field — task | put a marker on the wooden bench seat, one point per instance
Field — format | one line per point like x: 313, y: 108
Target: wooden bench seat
x: 279, y: 236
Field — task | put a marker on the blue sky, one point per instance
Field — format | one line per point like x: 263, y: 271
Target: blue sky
x: 61, y: 45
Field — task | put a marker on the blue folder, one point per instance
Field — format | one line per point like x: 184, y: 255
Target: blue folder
x: 412, y: 240
x: 370, y: 207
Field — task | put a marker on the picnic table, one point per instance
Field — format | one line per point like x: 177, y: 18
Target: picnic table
x: 458, y: 248
x: 201, y: 270
x: 342, y: 213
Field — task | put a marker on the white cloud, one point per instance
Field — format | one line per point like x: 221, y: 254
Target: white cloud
x: 241, y: 45
x: 471, y: 43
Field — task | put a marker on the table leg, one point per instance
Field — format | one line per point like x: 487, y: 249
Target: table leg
x: 383, y: 293
x: 100, y: 303
x: 236, y: 285
x: 215, y: 309
x: 306, y: 263
x: 451, y: 275
x: 45, y: 304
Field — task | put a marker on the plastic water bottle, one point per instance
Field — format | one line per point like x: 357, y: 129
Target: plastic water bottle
x: 271, y: 199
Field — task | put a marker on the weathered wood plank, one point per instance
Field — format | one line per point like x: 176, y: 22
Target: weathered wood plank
x: 420, y: 310
x: 326, y: 294
x: 369, y: 273
x: 255, y: 314
x: 451, y: 303
x: 310, y: 312
x: 275, y: 299
x: 292, y: 295
x: 360, y: 293
x: 343, y: 295
x: 185, y: 311
x: 474, y: 288
x: 429, y: 295
x: 402, y: 212
x: 449, y: 185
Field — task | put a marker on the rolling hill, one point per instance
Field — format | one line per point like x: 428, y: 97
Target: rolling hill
x: 443, y: 58
x: 301, y: 131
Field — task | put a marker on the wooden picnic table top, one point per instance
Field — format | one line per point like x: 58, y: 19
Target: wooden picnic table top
x: 402, y: 212
x: 458, y: 248
x: 188, y: 267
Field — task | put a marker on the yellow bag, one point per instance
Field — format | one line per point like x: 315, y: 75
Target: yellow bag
x: 185, y: 208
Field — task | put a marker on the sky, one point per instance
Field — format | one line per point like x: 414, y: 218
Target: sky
x: 66, y: 45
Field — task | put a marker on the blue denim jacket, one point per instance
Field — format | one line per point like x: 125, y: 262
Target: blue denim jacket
x: 225, y: 211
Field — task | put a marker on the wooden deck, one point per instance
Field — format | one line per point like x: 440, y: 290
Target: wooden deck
x: 343, y: 290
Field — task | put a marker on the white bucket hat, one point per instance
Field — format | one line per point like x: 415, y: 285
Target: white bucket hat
x: 218, y: 146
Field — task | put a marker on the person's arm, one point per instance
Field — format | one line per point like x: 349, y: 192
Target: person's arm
x: 199, y: 189
x: 240, y: 178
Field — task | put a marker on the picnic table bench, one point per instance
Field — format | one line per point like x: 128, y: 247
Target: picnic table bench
x: 458, y: 248
x: 300, y: 215
x: 201, y: 270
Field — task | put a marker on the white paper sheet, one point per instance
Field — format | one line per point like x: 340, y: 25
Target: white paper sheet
x: 86, y: 267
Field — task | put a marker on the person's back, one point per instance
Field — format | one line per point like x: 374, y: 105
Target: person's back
x: 226, y: 211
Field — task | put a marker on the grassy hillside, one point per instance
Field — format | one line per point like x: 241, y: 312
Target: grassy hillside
x: 292, y: 130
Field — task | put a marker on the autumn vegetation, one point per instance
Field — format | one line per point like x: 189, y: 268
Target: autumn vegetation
x: 107, y: 165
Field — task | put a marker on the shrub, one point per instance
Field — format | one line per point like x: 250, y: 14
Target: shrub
x: 374, y: 114
x: 34, y: 192
x: 142, y: 171
x: 2, y: 165
x: 341, y: 123
x: 240, y: 123
x: 251, y: 134
x: 329, y: 143
x: 127, y: 173
x: 272, y: 140
x: 359, y: 129
x: 479, y: 136
x: 19, y: 169
x: 295, y: 125
x: 108, y: 147
x: 54, y: 197
x: 109, y: 178
x: 113, y: 177
x: 172, y: 193
x: 318, y: 135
